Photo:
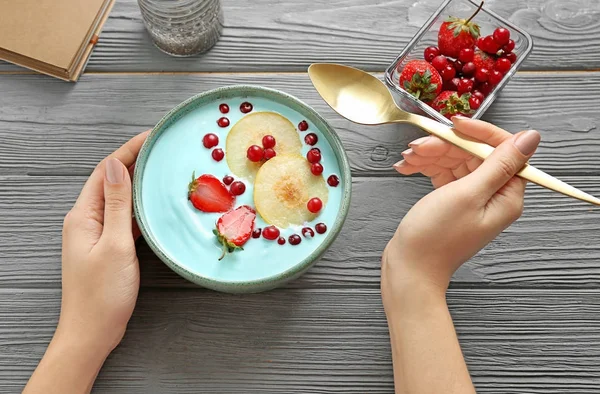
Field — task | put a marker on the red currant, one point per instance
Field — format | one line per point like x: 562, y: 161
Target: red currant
x: 485, y: 88
x: 509, y: 46
x: 308, y: 232
x: 480, y: 43
x: 503, y: 65
x: 311, y: 139
x: 458, y: 65
x: 295, y: 239
x: 223, y: 122
x: 490, y: 45
x: 474, y: 102
x: 255, y: 153
x: 228, y: 180
x: 482, y: 75
x: 303, y: 126
x: 495, y: 77
x: 224, y: 108
x: 478, y: 94
x: 316, y: 168
x: 314, y: 205
x: 313, y: 155
x: 256, y: 233
x: 281, y: 241
x: 321, y: 228
x: 218, y: 154
x: 269, y: 154
x: 439, y: 62
x: 464, y: 86
x: 468, y: 69
x: 511, y: 57
x: 466, y: 55
x: 246, y: 107
x: 430, y: 53
x: 501, y: 36
x: 448, y: 72
x: 333, y: 180
x: 452, y: 84
x: 210, y: 140
x: 271, y: 233
x: 268, y: 141
x: 237, y: 188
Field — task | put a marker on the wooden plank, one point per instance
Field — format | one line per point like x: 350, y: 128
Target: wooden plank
x: 289, y: 35
x: 315, y: 341
x: 554, y: 244
x: 39, y: 117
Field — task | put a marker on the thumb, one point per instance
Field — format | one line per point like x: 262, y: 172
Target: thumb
x: 506, y: 160
x: 117, y: 200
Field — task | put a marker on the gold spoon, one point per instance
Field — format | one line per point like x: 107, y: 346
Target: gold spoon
x: 362, y: 98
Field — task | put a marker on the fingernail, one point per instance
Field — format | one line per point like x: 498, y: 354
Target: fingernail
x: 528, y: 141
x: 419, y: 141
x: 407, y: 152
x: 458, y: 118
x: 400, y: 164
x: 114, y: 171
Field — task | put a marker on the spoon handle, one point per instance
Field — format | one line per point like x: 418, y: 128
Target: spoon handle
x: 482, y: 151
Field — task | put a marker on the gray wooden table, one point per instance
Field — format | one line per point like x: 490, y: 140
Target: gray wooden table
x: 527, y: 308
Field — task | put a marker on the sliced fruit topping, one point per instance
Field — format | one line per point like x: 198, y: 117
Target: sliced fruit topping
x: 237, y: 188
x: 456, y: 34
x: 256, y: 233
x: 271, y: 233
x: 269, y: 154
x: 421, y: 79
x: 269, y: 142
x: 316, y: 168
x: 228, y: 179
x: 311, y: 139
x: 303, y: 126
x: 218, y: 154
x: 281, y: 241
x: 223, y: 122
x: 251, y: 130
x: 321, y: 228
x: 255, y: 153
x: 246, y: 107
x: 314, y: 205
x: 450, y: 103
x: 210, y: 140
x: 282, y: 188
x: 224, y: 108
x: 295, y: 239
x: 314, y: 155
x: 208, y: 194
x: 333, y: 180
x: 235, y: 228
x: 308, y: 232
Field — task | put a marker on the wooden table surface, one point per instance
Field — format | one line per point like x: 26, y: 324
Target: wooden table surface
x: 527, y: 308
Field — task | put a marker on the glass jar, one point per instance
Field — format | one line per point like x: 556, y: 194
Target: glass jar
x: 427, y: 36
x: 183, y: 27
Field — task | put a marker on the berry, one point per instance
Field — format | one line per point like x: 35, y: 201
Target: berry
x: 501, y: 36
x: 333, y: 180
x: 478, y: 94
x: 452, y: 84
x: 218, y: 154
x: 456, y: 34
x: 483, y: 60
x: 448, y: 73
x: 503, y: 65
x: 307, y: 232
x: 482, y: 75
x: 303, y: 126
x: 237, y: 188
x: 468, y: 69
x: 268, y: 141
x: 269, y: 154
x: 321, y: 228
x: 509, y: 46
x: 316, y: 168
x: 228, y: 179
x: 439, y: 62
x: 281, y: 241
x: 458, y: 65
x: 495, y: 77
x: 223, y: 122
x: 234, y: 229
x: 485, y: 88
x: 313, y: 155
x: 489, y: 45
x: 449, y: 103
x: 295, y: 239
x: 255, y: 153
x: 474, y: 102
x: 511, y: 57
x: 210, y: 140
x: 479, y: 43
x: 224, y: 108
x: 246, y: 107
x: 271, y: 233
x: 430, y: 53
x: 466, y: 55
x: 208, y: 194
x: 314, y: 205
x: 311, y: 139
x: 421, y: 79
x: 465, y: 86
x: 256, y: 233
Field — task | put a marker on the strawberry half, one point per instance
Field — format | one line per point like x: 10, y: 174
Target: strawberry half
x: 456, y: 34
x: 448, y: 103
x: 209, y: 194
x: 235, y: 228
x: 421, y: 79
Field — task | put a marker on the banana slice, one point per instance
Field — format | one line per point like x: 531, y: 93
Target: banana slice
x: 282, y: 188
x: 249, y: 131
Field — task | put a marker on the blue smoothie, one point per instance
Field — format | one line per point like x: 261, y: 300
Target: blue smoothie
x: 185, y: 234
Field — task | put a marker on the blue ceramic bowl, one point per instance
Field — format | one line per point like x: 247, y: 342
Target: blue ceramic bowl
x: 181, y: 236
